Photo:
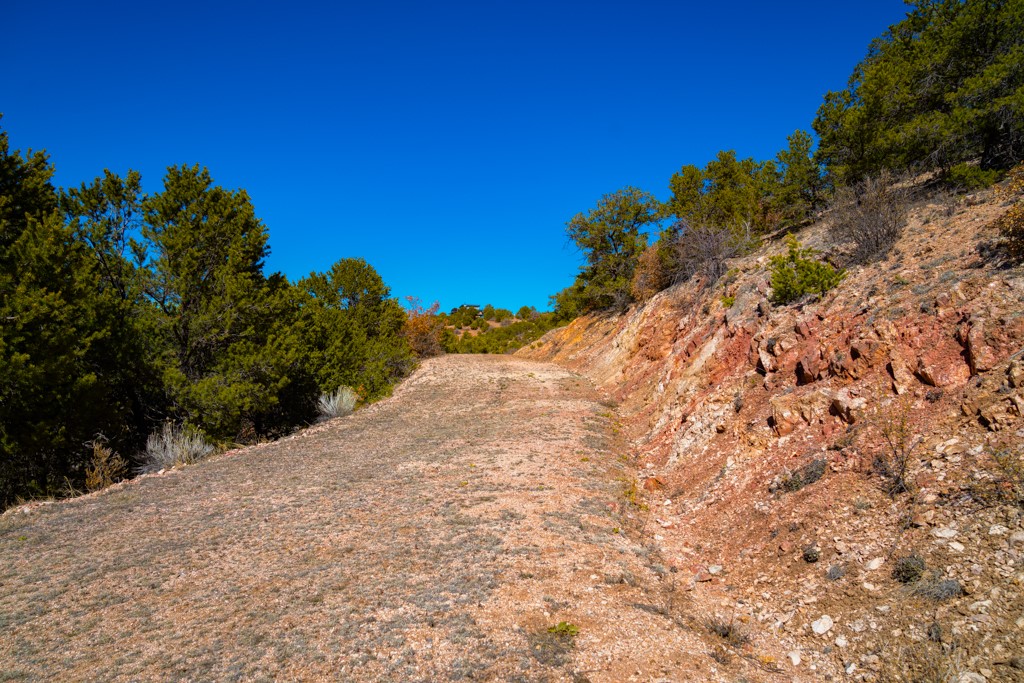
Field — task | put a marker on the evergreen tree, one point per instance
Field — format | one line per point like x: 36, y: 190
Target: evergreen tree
x: 67, y: 365
x: 351, y: 330
x: 611, y: 239
x: 943, y: 87
x: 800, y: 185
x: 216, y: 309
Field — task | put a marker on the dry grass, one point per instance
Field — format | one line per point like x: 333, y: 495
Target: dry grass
x: 421, y: 539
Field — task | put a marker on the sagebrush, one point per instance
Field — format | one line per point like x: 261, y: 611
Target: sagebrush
x: 172, y: 446
x: 339, y: 403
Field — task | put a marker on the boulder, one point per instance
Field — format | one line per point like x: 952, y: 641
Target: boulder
x: 1015, y: 374
x: 808, y: 367
x: 848, y: 407
x: 980, y: 356
x: 789, y: 411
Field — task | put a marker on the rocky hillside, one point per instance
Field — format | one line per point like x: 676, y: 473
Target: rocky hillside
x: 840, y: 480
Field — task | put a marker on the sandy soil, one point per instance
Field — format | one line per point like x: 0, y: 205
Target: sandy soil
x: 437, y: 535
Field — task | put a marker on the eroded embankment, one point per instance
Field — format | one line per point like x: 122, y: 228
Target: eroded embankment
x: 436, y: 535
x: 767, y: 437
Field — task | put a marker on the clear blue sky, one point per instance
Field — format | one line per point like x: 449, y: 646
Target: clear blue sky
x: 447, y: 143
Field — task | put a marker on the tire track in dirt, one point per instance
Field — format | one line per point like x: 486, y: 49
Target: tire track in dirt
x: 436, y: 535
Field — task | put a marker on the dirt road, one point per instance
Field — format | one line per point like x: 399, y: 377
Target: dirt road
x: 437, y: 535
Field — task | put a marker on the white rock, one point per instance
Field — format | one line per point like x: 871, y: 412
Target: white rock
x: 841, y: 641
x: 875, y: 563
x: 957, y: 547
x: 1017, y: 538
x: 997, y: 530
x: 823, y: 625
x: 794, y: 657
x: 971, y: 677
x: 944, y: 532
x: 715, y: 569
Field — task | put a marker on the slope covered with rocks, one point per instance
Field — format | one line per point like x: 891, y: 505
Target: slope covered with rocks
x: 774, y: 444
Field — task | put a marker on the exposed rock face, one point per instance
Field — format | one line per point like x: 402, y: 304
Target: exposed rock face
x: 902, y: 356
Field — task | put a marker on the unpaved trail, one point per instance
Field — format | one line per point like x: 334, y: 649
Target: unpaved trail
x: 434, y: 536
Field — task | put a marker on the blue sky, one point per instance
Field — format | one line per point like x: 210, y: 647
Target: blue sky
x: 446, y: 143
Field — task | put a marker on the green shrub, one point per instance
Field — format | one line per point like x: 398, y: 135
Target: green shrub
x: 798, y: 273
x: 970, y: 177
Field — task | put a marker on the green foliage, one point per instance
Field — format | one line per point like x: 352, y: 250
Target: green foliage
x: 350, y: 331
x: 969, y: 177
x: 729, y: 192
x: 801, y: 184
x: 216, y: 312
x: 942, y: 87
x: 611, y: 240
x: 798, y: 273
x: 119, y: 310
x: 564, y: 629
x: 508, y: 337
x: 73, y: 365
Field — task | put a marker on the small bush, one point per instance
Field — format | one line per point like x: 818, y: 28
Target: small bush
x: 812, y: 554
x: 836, y: 572
x: 105, y: 468
x: 798, y: 273
x: 893, y: 464
x: 564, y: 629
x: 173, y: 446
x: 969, y: 177
x: 338, y: 404
x: 908, y: 569
x: 871, y: 215
x: 939, y: 589
x: 1010, y: 465
x: 703, y: 250
x: 808, y: 474
x: 1011, y: 223
x: 729, y: 631
x: 650, y: 275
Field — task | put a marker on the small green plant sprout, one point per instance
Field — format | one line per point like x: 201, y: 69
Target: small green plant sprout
x: 728, y: 301
x: 564, y: 629
x: 799, y: 273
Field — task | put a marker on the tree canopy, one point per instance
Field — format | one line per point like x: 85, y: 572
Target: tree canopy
x: 944, y: 86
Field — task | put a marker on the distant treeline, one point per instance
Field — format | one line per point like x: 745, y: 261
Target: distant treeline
x: 120, y: 311
x: 471, y: 329
x: 943, y: 91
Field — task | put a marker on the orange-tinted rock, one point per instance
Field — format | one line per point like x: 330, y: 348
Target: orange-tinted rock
x: 980, y: 356
x: 653, y: 484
